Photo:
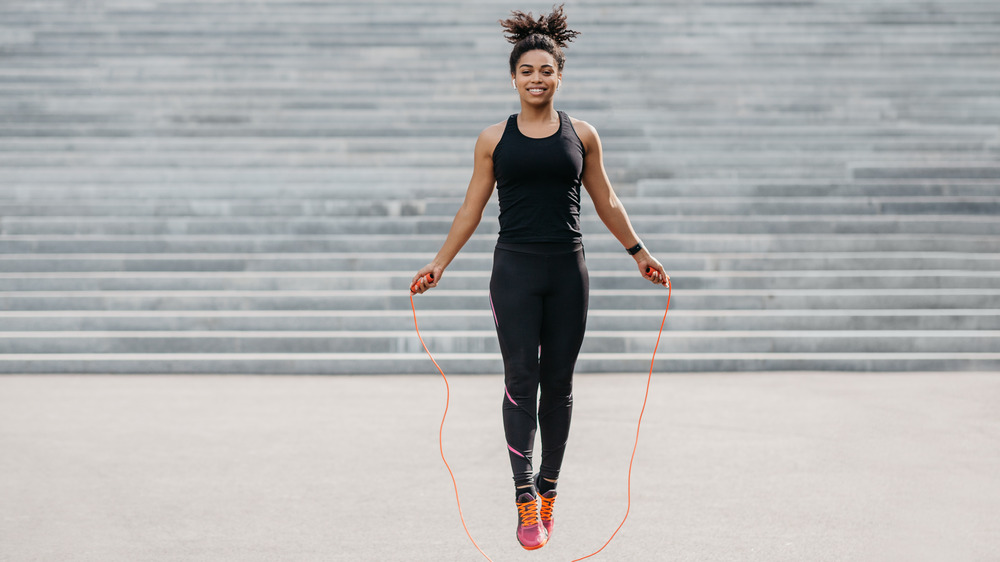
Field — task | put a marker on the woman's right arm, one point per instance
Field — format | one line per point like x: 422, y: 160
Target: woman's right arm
x: 469, y: 214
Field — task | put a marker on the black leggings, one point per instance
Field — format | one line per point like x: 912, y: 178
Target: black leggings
x: 539, y: 295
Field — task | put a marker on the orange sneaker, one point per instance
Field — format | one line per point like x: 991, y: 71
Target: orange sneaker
x: 530, y: 533
x: 548, y: 499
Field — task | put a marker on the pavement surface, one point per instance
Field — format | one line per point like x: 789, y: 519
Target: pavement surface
x: 769, y: 467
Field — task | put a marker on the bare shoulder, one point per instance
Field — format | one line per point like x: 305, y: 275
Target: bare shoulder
x: 490, y: 137
x: 586, y: 132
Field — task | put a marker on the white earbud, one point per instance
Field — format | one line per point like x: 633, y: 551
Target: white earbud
x: 558, y: 84
x: 513, y: 83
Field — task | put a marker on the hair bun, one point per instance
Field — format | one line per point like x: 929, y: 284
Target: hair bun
x: 521, y: 25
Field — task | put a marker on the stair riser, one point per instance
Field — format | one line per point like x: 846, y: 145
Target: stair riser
x: 640, y: 300
x: 599, y: 243
x: 480, y: 262
x: 971, y: 225
x: 422, y: 365
x: 482, y: 320
x: 666, y: 207
x: 409, y: 343
x: 416, y: 190
x: 480, y: 281
x: 765, y: 160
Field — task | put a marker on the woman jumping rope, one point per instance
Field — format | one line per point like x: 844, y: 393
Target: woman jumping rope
x: 539, y: 289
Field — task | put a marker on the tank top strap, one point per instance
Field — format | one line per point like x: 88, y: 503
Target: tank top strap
x: 569, y: 131
x: 511, y: 127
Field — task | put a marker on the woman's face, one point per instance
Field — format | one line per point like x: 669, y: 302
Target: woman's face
x: 536, y: 77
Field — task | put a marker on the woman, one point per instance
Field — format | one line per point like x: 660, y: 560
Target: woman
x: 537, y: 160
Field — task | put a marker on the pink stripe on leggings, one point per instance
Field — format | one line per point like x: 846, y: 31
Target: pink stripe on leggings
x: 494, y: 311
x: 515, y: 452
x: 508, y: 396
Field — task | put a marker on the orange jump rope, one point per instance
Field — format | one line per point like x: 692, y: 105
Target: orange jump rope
x: 447, y: 402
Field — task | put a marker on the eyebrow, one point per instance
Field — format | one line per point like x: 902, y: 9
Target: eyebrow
x: 530, y: 66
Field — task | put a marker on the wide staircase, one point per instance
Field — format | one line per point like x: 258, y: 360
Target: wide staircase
x: 218, y: 186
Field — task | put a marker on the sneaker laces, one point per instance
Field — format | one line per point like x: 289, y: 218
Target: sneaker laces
x: 527, y: 512
x: 546, y: 508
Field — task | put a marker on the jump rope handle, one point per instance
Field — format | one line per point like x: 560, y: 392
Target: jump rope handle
x: 649, y: 271
x: 429, y: 277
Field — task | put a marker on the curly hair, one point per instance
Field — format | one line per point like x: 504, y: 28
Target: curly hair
x: 547, y: 33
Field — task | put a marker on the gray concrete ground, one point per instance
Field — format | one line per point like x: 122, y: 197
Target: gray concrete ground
x: 765, y: 467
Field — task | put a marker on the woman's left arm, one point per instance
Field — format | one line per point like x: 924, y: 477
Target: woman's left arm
x: 609, y: 207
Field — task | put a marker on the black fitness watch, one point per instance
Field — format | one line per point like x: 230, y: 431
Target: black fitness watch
x: 634, y: 249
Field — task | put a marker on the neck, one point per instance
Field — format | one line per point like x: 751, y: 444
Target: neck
x: 536, y: 113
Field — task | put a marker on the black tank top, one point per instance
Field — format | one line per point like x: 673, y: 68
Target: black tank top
x: 538, y: 184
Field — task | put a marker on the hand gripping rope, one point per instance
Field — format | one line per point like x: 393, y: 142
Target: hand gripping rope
x: 447, y: 402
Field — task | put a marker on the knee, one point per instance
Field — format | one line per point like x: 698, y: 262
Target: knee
x: 520, y: 397
x: 549, y: 401
x: 556, y: 390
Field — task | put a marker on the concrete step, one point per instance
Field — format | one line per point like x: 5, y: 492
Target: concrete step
x: 83, y: 151
x: 441, y: 319
x: 626, y: 167
x: 485, y: 341
x: 473, y: 280
x: 482, y: 261
x: 991, y: 172
x: 405, y: 226
x: 635, y: 159
x: 758, y: 156
x: 667, y: 206
x: 379, y: 188
x: 347, y: 187
x: 705, y: 299
x: 347, y: 21
x: 841, y: 319
x: 874, y: 188
x: 220, y: 208
x: 226, y: 175
x: 599, y: 243
x: 469, y: 363
x: 622, y: 127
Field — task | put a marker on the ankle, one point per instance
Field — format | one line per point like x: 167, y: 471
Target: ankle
x: 545, y: 485
x: 521, y: 490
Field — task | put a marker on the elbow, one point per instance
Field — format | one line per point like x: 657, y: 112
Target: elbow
x: 615, y: 203
x: 470, y: 215
x: 608, y: 207
x: 471, y: 212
